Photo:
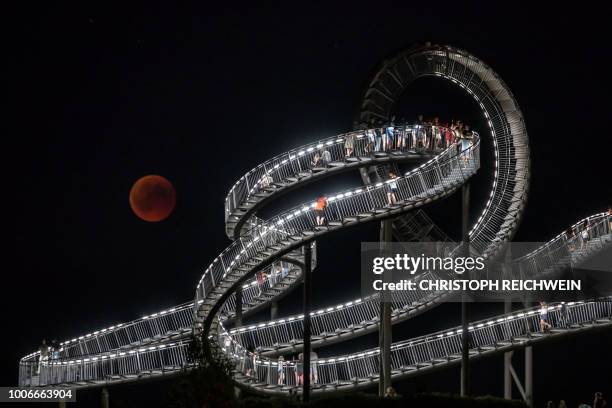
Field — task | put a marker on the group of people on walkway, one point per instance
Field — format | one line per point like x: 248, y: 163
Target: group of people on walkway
x: 282, y: 365
x: 399, y: 135
x: 579, y: 236
x: 563, y: 317
x: 278, y: 271
x: 299, y: 369
x: 598, y: 402
x: 48, y: 351
x: 250, y: 367
x: 377, y: 136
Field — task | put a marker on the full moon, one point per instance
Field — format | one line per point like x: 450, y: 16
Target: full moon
x: 152, y: 198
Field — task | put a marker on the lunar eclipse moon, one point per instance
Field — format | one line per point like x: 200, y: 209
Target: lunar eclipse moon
x: 152, y: 198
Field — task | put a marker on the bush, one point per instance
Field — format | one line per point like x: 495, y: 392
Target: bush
x: 208, y: 385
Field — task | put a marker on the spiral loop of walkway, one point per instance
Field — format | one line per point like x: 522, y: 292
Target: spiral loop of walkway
x: 502, y: 213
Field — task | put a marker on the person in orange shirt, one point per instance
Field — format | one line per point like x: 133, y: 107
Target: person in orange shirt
x: 320, y: 206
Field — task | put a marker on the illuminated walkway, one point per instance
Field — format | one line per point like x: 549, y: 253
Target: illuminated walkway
x: 157, y: 344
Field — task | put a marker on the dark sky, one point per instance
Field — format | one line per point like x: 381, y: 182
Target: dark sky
x: 102, y: 95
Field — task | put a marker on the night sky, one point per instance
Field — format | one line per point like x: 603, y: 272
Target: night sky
x: 100, y: 96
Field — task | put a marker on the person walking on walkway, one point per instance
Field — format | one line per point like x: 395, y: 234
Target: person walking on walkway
x: 564, y: 315
x: 274, y: 274
x: 250, y: 360
x: 349, y: 144
x: 544, y: 324
x: 390, y: 135
x: 378, y: 139
x: 400, y: 134
x: 55, y: 349
x: 281, y: 370
x: 320, y: 206
x: 299, y: 370
x: 284, y: 270
x: 316, y: 160
x: 44, y: 354
x: 314, y: 375
x: 261, y: 280
x: 586, y: 229
x: 466, y: 143
x: 326, y: 158
x: 437, y: 133
x: 371, y: 140
x: 599, y: 401
x: 392, y: 189
x: 419, y: 132
x: 448, y: 136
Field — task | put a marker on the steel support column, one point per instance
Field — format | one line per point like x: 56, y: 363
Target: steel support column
x: 529, y: 376
x: 104, y: 402
x: 307, y: 295
x: 508, y: 375
x: 507, y: 309
x: 385, y: 326
x: 465, y: 356
x: 273, y: 310
x: 507, y: 360
x: 528, y: 386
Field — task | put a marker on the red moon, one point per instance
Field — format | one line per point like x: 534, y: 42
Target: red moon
x: 152, y: 198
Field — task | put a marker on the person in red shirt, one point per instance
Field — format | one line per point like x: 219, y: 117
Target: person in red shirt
x: 320, y: 206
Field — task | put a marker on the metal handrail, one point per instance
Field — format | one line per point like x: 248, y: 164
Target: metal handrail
x: 350, y: 369
x: 407, y: 355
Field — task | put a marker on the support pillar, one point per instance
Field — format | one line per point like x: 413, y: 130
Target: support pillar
x: 385, y: 327
x: 273, y: 310
x: 238, y: 322
x: 529, y: 376
x: 508, y: 354
x: 465, y: 355
x: 62, y: 404
x: 307, y: 295
x: 507, y: 360
x: 104, y: 401
x: 528, y: 389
